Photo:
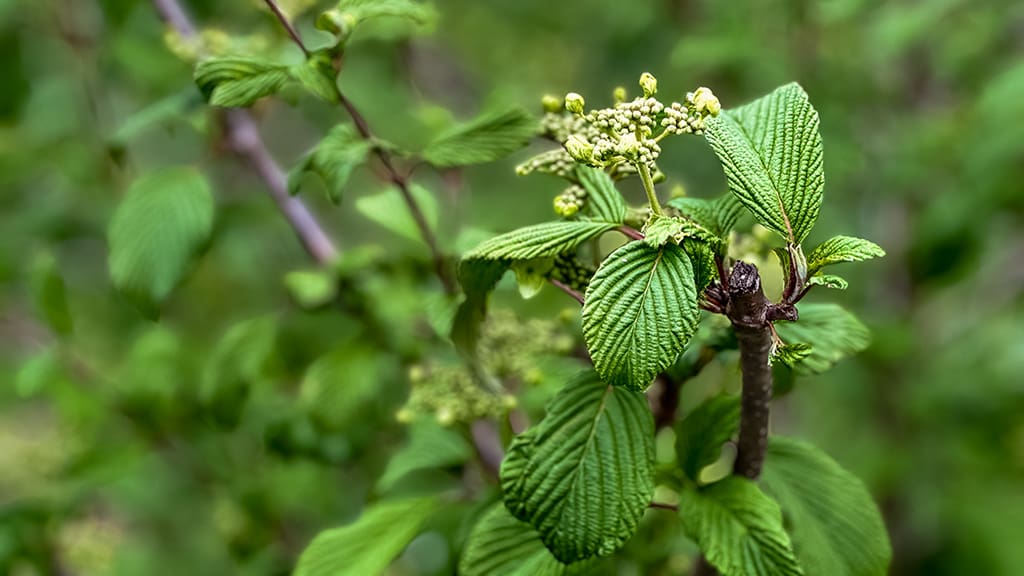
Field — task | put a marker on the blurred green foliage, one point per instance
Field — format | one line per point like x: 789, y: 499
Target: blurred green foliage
x: 261, y: 408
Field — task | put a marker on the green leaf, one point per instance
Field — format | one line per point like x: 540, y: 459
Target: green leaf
x: 340, y: 152
x: 339, y: 385
x: 501, y: 545
x: 700, y: 436
x: 389, y: 209
x: 39, y: 373
x: 532, y: 275
x: 702, y: 257
x: 772, y: 155
x: 791, y: 354
x: 738, y: 529
x: 584, y: 475
x: 49, y: 294
x: 539, y: 241
x: 368, y: 546
x: 829, y: 281
x: 477, y: 278
x: 604, y: 202
x: 156, y: 233
x: 718, y: 215
x: 660, y: 230
x: 239, y: 361
x: 835, y: 525
x: 312, y: 289
x: 239, y: 81
x: 842, y: 249
x: 430, y: 445
x: 639, y: 312
x: 832, y: 332
x: 486, y: 138
x: 317, y: 74
x: 363, y: 10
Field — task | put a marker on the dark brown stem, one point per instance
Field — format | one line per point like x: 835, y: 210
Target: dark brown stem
x: 397, y: 178
x: 244, y: 138
x: 748, y: 312
x: 631, y: 232
x: 703, y: 568
x: 663, y: 506
x: 287, y: 26
x: 568, y: 290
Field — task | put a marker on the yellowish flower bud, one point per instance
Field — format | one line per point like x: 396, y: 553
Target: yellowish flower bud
x: 574, y: 103
x: 551, y: 103
x: 705, y: 100
x: 649, y: 84
x: 619, y: 95
x: 579, y: 149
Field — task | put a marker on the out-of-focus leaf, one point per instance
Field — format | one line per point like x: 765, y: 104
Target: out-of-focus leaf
x: 501, y: 545
x: 389, y: 209
x: 239, y: 361
x: 239, y: 81
x: 368, y: 545
x: 486, y: 138
x: 340, y: 152
x: 312, y: 288
x: 156, y: 232
x: 340, y: 384
x: 832, y: 332
x: 835, y: 525
x: 317, y: 75
x: 430, y: 445
x: 49, y: 295
x: 700, y: 436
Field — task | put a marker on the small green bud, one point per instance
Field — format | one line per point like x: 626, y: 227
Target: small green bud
x: 574, y: 103
x: 649, y: 84
x: 551, y: 103
x: 705, y: 100
x: 579, y: 149
x: 628, y: 147
x: 619, y: 95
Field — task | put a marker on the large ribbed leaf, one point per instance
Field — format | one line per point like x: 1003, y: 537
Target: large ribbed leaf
x: 738, y: 529
x: 483, y: 139
x: 832, y: 332
x: 604, y: 202
x: 842, y: 249
x: 540, y: 240
x: 639, y: 312
x: 835, y: 525
x: 718, y: 215
x: 772, y: 155
x: 156, y: 232
x: 584, y: 475
x: 366, y: 547
x: 501, y: 545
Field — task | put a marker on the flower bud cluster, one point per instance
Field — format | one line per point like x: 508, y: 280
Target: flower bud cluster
x: 555, y: 162
x: 570, y: 201
x: 450, y: 395
x: 569, y: 271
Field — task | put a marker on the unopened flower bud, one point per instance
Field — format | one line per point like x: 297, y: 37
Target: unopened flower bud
x: 551, y: 103
x: 629, y: 147
x: 705, y: 100
x: 619, y: 95
x: 574, y: 103
x: 579, y: 149
x: 649, y: 84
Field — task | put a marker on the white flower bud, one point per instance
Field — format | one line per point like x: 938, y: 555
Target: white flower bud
x: 649, y: 84
x: 574, y: 103
x: 579, y: 149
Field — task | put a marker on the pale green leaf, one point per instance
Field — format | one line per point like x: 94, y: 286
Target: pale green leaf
x: 738, y: 528
x: 539, y: 241
x: 486, y: 138
x: 340, y: 152
x: 339, y: 385
x: 660, y: 230
x: 834, y: 523
x: 312, y: 288
x: 39, y: 373
x: 700, y: 436
x: 430, y: 445
x: 791, y: 354
x: 832, y: 332
x: 718, y: 215
x: 239, y: 81
x: 240, y: 360
x: 389, y: 209
x: 639, y: 312
x: 477, y: 278
x: 49, y: 294
x: 842, y: 249
x: 584, y: 475
x: 369, y: 545
x: 156, y: 233
x: 501, y: 545
x: 532, y: 275
x: 318, y: 76
x: 772, y: 155
x: 829, y: 281
x: 604, y: 202
x: 363, y: 10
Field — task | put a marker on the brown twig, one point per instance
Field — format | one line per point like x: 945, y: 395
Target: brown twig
x: 567, y: 289
x: 396, y: 177
x: 244, y: 138
x: 663, y: 506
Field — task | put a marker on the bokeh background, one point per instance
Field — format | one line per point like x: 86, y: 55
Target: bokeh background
x: 111, y: 462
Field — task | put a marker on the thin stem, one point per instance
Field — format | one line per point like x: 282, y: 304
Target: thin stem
x: 400, y: 181
x: 244, y: 138
x: 663, y: 506
x: 631, y: 232
x: 652, y: 198
x: 281, y: 17
x: 567, y: 289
